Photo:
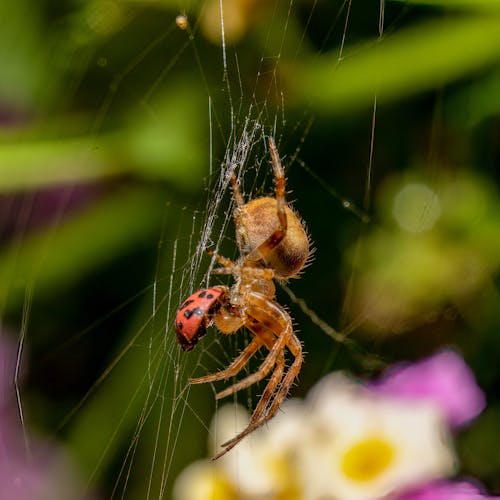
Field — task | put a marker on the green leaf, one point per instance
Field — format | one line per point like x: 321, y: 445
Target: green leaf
x: 24, y: 66
x: 26, y: 165
x: 166, y: 140
x: 169, y: 140
x: 411, y: 61
x: 78, y: 244
x: 453, y: 4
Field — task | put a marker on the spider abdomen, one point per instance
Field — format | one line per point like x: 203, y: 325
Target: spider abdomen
x: 257, y: 220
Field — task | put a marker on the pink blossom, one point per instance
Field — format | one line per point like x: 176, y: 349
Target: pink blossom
x: 443, y: 378
x: 29, y: 468
x: 445, y: 490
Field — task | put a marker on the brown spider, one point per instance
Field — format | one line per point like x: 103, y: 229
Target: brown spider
x: 274, y: 246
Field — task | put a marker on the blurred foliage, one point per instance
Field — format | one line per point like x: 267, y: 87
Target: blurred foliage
x: 434, y: 248
x: 112, y: 97
x: 400, y: 64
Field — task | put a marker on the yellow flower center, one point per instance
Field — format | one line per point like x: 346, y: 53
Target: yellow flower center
x: 213, y: 485
x: 285, y: 478
x: 367, y: 459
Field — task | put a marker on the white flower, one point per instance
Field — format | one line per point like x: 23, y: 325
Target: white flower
x: 263, y: 465
x: 366, y: 446
x: 203, y: 480
x: 343, y: 442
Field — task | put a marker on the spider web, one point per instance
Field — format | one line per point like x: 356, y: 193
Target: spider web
x: 171, y: 403
x: 139, y: 452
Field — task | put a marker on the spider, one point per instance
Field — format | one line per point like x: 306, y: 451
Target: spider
x: 274, y: 245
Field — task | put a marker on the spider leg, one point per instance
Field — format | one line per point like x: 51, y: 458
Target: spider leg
x: 261, y: 338
x: 259, y: 413
x: 292, y: 373
x: 223, y: 261
x: 238, y: 198
x: 254, y: 272
x: 275, y: 392
x: 264, y: 315
x: 270, y: 389
x: 222, y: 270
x: 296, y: 349
x: 273, y: 381
x: 264, y: 368
x: 279, y: 175
x: 228, y: 265
x: 277, y: 235
x: 235, y: 367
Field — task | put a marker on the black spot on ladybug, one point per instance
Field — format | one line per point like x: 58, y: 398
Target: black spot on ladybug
x: 197, y: 311
x: 180, y: 325
x: 185, y: 304
x: 202, y: 294
x: 210, y: 296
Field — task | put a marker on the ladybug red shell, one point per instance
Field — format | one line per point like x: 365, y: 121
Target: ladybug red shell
x: 195, y: 315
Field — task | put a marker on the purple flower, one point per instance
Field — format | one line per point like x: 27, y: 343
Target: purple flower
x: 40, y: 474
x: 445, y: 490
x: 29, y: 468
x: 443, y: 378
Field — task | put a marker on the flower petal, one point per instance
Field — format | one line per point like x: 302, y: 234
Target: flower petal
x: 437, y: 378
x: 445, y: 490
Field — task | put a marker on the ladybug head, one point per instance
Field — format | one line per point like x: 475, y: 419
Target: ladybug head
x: 186, y: 341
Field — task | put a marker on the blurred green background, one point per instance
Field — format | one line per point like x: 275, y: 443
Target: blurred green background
x: 114, y: 123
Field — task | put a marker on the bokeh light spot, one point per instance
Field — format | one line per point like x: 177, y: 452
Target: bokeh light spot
x: 416, y: 208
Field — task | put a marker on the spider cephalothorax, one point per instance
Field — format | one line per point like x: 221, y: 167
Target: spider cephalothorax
x: 274, y: 246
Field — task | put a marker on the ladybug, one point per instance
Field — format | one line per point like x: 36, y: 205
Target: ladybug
x: 195, y: 315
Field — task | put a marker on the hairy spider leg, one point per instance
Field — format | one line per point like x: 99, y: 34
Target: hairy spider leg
x: 235, y: 367
x: 261, y: 310
x: 279, y: 176
x: 275, y: 238
x: 223, y: 261
x: 295, y: 347
x: 276, y: 403
x: 238, y: 197
x: 228, y: 322
x: 267, y: 395
x: 273, y: 381
x: 272, y: 399
x: 262, y: 338
x: 229, y: 267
